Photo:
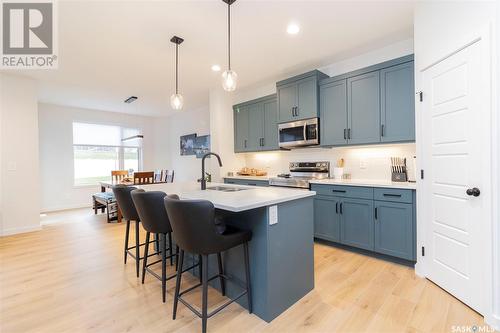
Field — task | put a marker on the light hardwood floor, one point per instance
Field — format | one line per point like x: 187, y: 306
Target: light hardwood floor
x: 70, y: 277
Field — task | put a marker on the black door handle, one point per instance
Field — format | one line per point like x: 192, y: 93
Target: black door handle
x: 473, y: 192
x: 376, y: 213
x: 345, y: 136
x: 341, y: 210
x: 336, y: 208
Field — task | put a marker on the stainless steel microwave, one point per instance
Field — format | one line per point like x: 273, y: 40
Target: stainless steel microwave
x: 299, y: 133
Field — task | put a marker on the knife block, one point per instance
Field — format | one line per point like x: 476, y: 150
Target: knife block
x: 399, y: 177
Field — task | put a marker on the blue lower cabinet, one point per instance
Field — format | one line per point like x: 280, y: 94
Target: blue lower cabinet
x: 327, y: 218
x: 249, y: 182
x: 394, y: 229
x: 357, y: 223
x: 381, y: 220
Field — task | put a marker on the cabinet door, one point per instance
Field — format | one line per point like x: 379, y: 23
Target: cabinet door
x: 363, y: 104
x: 357, y: 223
x: 307, y: 106
x: 333, y: 113
x: 287, y: 101
x: 241, y: 129
x: 394, y: 229
x: 327, y: 218
x: 255, y: 126
x: 270, y: 125
x: 397, y: 103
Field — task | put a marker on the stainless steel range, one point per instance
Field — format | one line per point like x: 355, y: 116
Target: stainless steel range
x: 301, y: 173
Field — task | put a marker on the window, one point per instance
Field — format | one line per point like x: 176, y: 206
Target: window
x: 99, y: 149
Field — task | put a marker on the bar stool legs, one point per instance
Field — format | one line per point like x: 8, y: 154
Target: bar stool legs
x: 137, y: 248
x: 127, y: 232
x: 204, y: 315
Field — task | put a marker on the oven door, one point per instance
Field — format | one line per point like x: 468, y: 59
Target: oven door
x: 299, y: 133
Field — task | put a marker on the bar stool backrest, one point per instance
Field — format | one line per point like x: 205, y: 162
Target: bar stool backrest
x: 151, y: 210
x: 193, y: 225
x: 124, y: 201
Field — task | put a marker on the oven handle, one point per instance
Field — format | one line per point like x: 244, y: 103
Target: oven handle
x: 305, y: 132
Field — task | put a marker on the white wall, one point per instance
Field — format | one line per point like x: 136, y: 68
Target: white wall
x: 439, y: 29
x: 19, y: 181
x: 171, y: 128
x: 56, y: 152
x: 377, y: 158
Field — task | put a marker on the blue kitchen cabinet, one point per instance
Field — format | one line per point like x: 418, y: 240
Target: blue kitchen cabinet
x: 357, y: 223
x: 241, y: 128
x: 248, y: 182
x: 333, y: 113
x: 363, y: 108
x: 397, y: 101
x: 255, y: 125
x: 381, y: 220
x: 394, y: 229
x: 298, y: 97
x: 327, y: 218
x: 270, y: 138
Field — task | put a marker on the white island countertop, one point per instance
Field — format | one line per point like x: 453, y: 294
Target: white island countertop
x: 250, y: 198
x: 264, y: 178
x: 367, y: 183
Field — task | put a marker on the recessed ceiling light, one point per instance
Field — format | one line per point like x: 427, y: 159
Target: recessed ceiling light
x: 215, y: 68
x: 293, y: 29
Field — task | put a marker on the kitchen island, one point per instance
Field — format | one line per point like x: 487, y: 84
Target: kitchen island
x: 281, y: 250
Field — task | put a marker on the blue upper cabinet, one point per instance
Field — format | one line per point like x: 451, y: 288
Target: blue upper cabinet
x: 333, y: 113
x: 368, y: 106
x: 298, y: 96
x: 241, y: 128
x: 397, y: 103
x: 363, y: 108
x: 255, y: 125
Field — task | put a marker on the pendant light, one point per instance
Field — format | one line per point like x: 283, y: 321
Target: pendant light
x: 229, y: 77
x: 176, y: 100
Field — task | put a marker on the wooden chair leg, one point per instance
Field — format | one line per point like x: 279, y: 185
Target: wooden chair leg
x: 247, y: 272
x: 95, y: 207
x: 204, y: 301
x: 145, y: 260
x: 221, y: 272
x: 137, y: 249
x: 178, y: 283
x: 127, y: 232
x: 163, y: 245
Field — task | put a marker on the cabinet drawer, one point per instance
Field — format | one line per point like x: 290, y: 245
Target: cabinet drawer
x: 393, y: 194
x: 344, y: 191
x: 249, y: 182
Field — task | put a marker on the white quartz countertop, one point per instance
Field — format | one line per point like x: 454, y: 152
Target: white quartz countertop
x: 252, y: 197
x: 264, y: 178
x: 366, y: 182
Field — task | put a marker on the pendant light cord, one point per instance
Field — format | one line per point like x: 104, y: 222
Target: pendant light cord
x: 176, y: 68
x: 229, y: 34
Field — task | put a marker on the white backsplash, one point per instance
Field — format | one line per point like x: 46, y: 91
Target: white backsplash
x: 366, y: 162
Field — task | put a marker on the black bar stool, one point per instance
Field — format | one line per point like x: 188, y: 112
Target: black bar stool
x: 193, y: 224
x: 154, y: 219
x: 129, y: 213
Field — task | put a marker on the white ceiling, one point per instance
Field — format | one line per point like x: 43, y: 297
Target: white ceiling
x: 109, y: 50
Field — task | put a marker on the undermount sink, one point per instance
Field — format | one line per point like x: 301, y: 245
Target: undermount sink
x: 226, y: 188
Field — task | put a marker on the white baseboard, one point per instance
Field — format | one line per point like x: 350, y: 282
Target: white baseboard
x: 493, y: 321
x: 65, y: 207
x: 20, y: 230
x: 419, y: 271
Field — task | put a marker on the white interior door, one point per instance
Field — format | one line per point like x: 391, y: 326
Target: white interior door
x: 455, y: 133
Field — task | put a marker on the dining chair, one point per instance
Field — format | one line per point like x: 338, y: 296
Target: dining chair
x: 145, y: 177
x: 118, y: 175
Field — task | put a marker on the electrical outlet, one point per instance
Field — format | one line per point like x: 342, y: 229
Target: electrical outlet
x: 363, y: 164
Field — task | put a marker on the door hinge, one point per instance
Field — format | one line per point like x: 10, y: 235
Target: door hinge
x: 421, y: 96
x: 423, y: 251
x: 421, y: 174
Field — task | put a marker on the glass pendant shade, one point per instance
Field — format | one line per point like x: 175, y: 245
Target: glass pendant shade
x: 176, y: 101
x: 229, y: 80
